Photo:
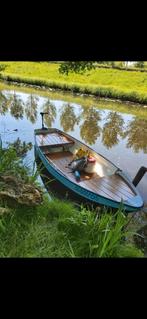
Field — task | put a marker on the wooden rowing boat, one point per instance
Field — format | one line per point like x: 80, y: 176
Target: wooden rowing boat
x: 101, y: 182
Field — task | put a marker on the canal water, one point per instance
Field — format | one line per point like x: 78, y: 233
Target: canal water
x: 116, y: 130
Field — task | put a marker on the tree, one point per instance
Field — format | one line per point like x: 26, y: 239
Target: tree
x: 49, y: 108
x: 137, y: 135
x: 90, y: 129
x: 68, y: 118
x: 17, y: 107
x: 31, y: 108
x: 140, y: 64
x: 4, y: 104
x: 78, y: 66
x: 112, y: 129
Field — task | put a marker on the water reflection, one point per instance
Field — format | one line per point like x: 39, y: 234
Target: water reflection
x: 97, y: 126
x: 31, y: 108
x: 16, y: 106
x: 4, y: 104
x: 50, y: 108
x: 137, y: 135
x: 68, y: 118
x: 112, y: 129
x: 90, y: 129
x: 88, y: 120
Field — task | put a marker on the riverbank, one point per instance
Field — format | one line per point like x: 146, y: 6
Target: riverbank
x: 102, y: 82
x: 55, y: 228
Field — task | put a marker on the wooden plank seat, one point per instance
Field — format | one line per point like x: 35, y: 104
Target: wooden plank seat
x: 53, y: 140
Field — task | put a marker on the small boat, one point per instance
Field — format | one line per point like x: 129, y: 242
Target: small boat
x: 101, y: 182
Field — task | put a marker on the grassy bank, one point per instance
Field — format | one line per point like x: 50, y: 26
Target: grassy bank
x: 55, y: 228
x: 58, y: 229
x: 102, y: 82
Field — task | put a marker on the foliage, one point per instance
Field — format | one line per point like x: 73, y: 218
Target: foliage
x: 9, y: 161
x: 77, y: 67
x: 21, y: 148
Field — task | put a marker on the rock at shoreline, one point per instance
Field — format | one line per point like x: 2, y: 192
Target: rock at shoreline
x: 4, y: 210
x: 16, y: 191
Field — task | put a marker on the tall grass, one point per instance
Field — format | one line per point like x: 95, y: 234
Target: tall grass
x: 111, y: 83
x: 96, y: 235
x: 58, y: 229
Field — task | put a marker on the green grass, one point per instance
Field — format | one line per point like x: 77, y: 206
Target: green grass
x: 58, y: 229
x: 113, y: 83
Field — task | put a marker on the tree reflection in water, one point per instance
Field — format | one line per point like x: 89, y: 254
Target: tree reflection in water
x: 50, y: 108
x: 4, y: 103
x: 31, y: 108
x: 137, y: 135
x: 90, y: 129
x: 68, y: 119
x: 16, y: 107
x: 112, y: 129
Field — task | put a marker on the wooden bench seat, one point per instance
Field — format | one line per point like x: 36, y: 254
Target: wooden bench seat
x: 53, y: 140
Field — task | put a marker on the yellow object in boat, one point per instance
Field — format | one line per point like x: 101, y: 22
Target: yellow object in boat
x: 80, y: 153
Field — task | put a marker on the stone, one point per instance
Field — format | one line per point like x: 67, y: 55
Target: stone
x: 16, y: 191
x: 4, y: 210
